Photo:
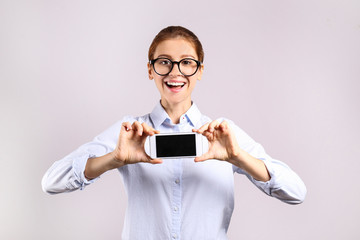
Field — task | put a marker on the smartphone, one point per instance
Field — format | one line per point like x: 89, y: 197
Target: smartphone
x: 177, y: 145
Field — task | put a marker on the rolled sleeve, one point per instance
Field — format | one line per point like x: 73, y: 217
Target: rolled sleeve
x: 67, y: 174
x: 284, y: 183
x: 268, y: 185
x: 79, y: 169
x: 287, y: 185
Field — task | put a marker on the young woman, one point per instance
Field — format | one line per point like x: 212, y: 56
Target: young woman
x: 176, y: 198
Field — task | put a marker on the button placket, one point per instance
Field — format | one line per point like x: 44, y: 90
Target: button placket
x: 176, y: 202
x: 176, y: 195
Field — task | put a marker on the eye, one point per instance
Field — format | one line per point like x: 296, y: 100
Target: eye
x: 164, y: 62
x: 186, y: 62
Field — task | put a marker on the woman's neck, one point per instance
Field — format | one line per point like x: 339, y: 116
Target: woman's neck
x: 176, y: 110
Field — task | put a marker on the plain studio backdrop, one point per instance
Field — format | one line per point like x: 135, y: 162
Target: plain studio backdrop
x: 287, y: 72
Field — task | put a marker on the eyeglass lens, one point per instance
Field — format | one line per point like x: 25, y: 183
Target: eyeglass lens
x: 186, y: 66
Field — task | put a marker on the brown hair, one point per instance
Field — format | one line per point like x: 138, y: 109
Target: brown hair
x: 176, y: 32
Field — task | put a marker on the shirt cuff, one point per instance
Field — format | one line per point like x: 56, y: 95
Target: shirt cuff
x: 79, y: 164
x: 266, y: 186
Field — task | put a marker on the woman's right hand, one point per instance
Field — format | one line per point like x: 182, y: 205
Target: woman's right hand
x: 130, y: 146
x: 129, y: 149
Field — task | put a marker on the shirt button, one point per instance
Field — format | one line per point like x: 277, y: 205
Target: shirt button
x: 176, y: 209
x: 177, y: 181
x: 174, y: 236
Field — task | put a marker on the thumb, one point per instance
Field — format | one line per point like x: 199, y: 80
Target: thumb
x: 153, y: 160
x: 204, y: 157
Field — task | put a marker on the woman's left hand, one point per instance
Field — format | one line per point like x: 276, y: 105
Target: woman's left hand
x: 224, y: 146
x: 222, y: 142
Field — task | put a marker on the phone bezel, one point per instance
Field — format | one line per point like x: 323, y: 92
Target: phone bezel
x: 198, y: 144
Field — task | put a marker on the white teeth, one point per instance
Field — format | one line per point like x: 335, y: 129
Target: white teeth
x: 175, y: 83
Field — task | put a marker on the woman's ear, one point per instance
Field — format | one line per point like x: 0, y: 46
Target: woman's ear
x: 149, y: 71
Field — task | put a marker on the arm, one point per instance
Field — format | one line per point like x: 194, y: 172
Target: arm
x: 100, y: 155
x: 67, y: 174
x: 129, y: 150
x: 224, y: 146
x: 271, y: 176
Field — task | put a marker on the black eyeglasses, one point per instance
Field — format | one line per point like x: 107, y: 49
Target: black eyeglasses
x: 187, y: 66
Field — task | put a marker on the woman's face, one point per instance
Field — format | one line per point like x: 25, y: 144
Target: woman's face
x: 175, y: 88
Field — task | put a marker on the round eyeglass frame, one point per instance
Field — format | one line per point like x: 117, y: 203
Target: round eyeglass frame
x: 198, y: 63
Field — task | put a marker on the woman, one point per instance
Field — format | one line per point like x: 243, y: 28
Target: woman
x: 176, y: 198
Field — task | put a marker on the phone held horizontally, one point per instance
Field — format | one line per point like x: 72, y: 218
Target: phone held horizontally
x: 177, y: 145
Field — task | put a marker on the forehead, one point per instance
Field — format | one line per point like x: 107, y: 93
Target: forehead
x: 175, y: 48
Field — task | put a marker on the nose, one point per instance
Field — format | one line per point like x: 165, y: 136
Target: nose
x: 175, y: 71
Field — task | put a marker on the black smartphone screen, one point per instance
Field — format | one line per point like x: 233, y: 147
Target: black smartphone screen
x: 176, y: 145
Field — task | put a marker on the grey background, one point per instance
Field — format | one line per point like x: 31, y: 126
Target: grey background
x: 287, y: 72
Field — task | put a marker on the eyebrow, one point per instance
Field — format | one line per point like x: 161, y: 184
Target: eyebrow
x: 182, y: 56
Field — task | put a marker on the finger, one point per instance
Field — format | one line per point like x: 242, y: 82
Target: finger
x: 213, y: 125
x: 204, y: 157
x: 138, y: 128
x: 202, y: 128
x: 152, y: 160
x: 156, y: 161
x: 226, y: 129
x: 207, y: 135
x: 149, y: 130
x: 224, y: 126
x: 195, y: 130
x: 127, y: 126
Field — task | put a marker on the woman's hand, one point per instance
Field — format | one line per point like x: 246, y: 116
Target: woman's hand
x: 222, y: 142
x: 129, y: 149
x: 223, y: 146
x: 130, y: 146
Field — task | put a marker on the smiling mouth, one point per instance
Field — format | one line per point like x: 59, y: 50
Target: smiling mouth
x: 175, y: 84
